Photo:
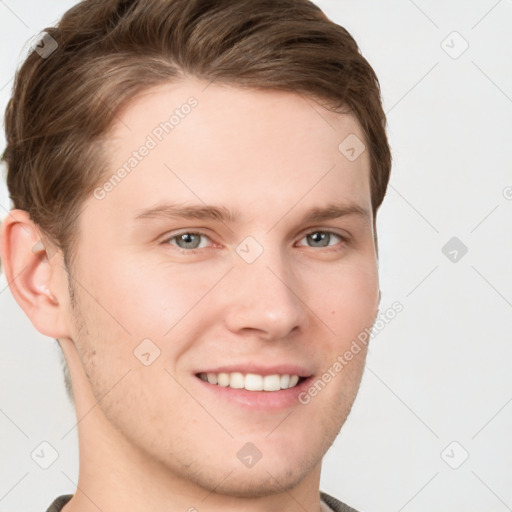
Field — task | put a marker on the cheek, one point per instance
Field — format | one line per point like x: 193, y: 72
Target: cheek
x: 149, y: 298
x: 349, y: 301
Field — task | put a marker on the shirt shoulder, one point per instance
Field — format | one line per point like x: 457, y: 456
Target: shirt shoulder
x: 59, y: 502
x: 334, y: 504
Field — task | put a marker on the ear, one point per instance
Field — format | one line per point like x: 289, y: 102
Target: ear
x: 35, y: 274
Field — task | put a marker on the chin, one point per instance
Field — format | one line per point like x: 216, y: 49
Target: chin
x: 272, y: 474
x: 256, y: 482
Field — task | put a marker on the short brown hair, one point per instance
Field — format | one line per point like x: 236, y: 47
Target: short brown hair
x: 109, y: 50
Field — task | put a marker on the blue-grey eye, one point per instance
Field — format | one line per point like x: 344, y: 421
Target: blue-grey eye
x: 188, y: 240
x: 321, y: 238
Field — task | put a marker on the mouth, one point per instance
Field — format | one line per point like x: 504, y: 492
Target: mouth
x: 272, y: 390
x: 252, y: 381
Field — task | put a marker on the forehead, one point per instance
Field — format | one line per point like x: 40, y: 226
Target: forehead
x: 257, y: 151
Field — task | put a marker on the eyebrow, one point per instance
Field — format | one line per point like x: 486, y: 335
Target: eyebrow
x: 222, y: 214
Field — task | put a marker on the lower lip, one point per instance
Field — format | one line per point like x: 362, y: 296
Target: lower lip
x: 257, y: 400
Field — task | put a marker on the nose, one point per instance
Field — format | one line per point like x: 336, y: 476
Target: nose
x: 265, y: 298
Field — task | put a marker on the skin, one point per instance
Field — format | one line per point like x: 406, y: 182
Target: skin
x: 150, y: 437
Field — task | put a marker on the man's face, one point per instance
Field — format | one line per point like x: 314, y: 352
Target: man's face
x: 265, y: 293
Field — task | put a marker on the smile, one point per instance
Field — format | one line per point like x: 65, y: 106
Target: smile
x: 251, y: 381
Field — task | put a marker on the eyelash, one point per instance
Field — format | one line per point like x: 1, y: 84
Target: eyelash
x: 344, y: 240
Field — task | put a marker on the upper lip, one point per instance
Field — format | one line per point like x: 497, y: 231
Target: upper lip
x: 281, y: 369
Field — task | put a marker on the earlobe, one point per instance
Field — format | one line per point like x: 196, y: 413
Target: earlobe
x: 31, y: 275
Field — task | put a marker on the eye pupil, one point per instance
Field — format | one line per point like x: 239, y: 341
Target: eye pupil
x: 320, y: 238
x: 188, y: 240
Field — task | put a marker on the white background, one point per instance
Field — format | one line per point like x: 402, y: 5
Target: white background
x: 440, y: 371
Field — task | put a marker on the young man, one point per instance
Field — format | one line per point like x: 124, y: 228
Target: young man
x: 195, y: 187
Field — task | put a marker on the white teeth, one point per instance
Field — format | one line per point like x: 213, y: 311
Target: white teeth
x: 251, y: 381
x: 223, y: 379
x: 271, y: 383
x: 236, y: 381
